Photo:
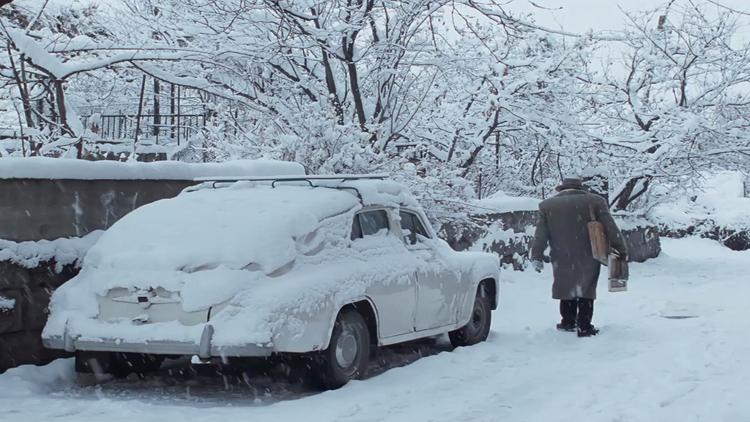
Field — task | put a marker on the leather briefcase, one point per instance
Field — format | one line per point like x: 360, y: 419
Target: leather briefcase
x: 598, y: 237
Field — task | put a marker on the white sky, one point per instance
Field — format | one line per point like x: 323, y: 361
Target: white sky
x: 581, y: 15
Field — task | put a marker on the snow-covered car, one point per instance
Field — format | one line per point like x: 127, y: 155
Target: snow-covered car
x: 324, y: 267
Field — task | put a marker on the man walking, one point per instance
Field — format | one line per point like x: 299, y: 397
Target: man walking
x: 562, y: 224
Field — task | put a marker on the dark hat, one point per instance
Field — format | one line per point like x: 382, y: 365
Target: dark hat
x: 570, y: 183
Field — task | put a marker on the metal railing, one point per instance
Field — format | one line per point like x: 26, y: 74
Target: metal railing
x: 163, y: 128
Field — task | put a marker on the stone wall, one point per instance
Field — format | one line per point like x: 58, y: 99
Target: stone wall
x: 35, y: 209
x: 510, y: 236
x: 736, y: 239
x: 21, y: 326
x: 507, y: 234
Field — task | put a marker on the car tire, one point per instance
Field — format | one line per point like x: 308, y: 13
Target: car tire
x: 348, y: 353
x: 478, y: 328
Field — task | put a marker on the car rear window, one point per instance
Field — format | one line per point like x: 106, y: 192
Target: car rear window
x: 368, y: 223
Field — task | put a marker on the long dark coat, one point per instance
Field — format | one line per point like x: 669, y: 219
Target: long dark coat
x: 562, y: 225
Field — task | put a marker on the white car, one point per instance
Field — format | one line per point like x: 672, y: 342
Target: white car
x: 320, y: 266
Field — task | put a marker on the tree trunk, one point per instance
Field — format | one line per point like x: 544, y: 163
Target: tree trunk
x: 138, y: 117
x: 23, y: 88
x: 628, y: 194
x: 332, y: 92
x: 157, y: 110
x: 63, y: 114
x: 25, y: 97
x: 171, y: 111
x: 357, y: 95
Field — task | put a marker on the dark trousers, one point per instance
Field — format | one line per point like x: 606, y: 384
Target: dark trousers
x: 577, y: 311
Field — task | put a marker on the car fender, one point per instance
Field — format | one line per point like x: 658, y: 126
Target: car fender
x: 332, y: 320
x: 311, y: 331
x: 467, y: 300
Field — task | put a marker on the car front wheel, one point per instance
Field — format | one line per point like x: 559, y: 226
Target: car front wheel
x: 348, y: 352
x: 478, y: 328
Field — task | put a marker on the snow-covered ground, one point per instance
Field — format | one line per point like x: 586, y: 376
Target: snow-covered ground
x: 675, y: 347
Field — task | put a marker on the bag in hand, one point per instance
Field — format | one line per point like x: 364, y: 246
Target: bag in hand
x: 618, y: 274
x: 598, y: 237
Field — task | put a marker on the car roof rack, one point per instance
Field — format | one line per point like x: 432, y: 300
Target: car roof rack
x: 292, y: 178
x: 295, y: 178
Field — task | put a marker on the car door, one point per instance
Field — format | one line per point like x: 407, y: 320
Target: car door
x: 437, y: 284
x: 394, y: 292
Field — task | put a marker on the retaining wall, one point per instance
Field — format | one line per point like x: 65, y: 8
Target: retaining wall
x: 736, y: 239
x: 510, y: 236
x: 35, y: 209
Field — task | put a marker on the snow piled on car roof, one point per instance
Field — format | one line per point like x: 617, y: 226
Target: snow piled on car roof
x: 245, y: 225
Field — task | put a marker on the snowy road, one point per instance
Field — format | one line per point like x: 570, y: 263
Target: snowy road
x: 675, y: 346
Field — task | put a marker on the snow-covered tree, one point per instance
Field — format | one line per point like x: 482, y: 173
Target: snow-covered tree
x: 460, y: 98
x: 677, y: 102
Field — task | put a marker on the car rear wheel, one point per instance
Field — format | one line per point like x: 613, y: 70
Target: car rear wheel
x: 478, y: 328
x: 348, y: 352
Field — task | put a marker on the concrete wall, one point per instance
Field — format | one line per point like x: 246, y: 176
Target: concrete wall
x: 21, y: 327
x: 35, y: 209
x: 513, y: 246
x: 481, y: 229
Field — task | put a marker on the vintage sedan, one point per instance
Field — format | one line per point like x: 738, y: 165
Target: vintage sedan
x: 325, y: 267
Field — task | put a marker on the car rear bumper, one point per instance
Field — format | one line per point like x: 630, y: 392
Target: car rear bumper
x: 203, y: 349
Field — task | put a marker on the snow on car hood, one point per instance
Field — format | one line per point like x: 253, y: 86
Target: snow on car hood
x: 235, y: 227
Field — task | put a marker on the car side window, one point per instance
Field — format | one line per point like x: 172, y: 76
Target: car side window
x: 368, y: 223
x: 356, y: 228
x: 411, y: 226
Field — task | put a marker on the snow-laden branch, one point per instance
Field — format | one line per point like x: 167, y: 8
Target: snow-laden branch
x: 61, y: 70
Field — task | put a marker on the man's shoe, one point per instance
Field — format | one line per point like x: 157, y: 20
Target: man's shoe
x: 565, y: 326
x: 588, y: 331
